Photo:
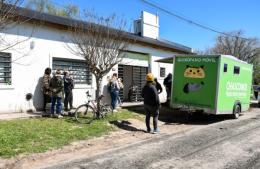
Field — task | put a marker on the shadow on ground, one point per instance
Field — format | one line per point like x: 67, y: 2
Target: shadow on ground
x: 125, y: 125
x: 173, y: 116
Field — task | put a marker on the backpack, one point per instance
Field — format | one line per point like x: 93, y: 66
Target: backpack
x: 57, y: 84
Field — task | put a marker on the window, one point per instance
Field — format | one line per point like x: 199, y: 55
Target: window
x: 5, y: 68
x: 225, y: 67
x: 236, y: 70
x: 78, y: 69
x: 162, y: 72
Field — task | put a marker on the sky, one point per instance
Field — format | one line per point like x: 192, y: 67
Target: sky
x: 221, y: 15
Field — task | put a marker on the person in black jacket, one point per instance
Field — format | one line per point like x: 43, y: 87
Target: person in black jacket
x: 168, y: 85
x: 68, y: 86
x: 158, y: 86
x: 151, y: 103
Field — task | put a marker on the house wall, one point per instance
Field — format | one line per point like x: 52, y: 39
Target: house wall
x: 31, y: 57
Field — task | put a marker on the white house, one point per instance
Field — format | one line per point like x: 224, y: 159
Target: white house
x: 22, y: 67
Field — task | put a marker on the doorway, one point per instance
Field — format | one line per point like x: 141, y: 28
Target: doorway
x: 133, y: 78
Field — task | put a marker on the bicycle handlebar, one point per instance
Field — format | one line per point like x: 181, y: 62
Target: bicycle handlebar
x: 88, y: 95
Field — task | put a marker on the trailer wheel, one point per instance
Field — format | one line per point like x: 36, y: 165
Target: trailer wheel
x: 236, y: 111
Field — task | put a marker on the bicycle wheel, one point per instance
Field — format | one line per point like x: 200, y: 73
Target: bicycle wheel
x: 84, y: 114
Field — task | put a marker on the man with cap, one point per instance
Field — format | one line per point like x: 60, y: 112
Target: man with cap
x: 151, y: 103
x: 56, y: 87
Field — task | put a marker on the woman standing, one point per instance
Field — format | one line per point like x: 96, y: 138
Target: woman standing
x: 46, y: 87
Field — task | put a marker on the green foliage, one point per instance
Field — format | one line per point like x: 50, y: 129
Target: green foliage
x: 69, y: 10
x: 24, y: 136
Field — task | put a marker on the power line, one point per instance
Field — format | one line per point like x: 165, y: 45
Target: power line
x: 189, y: 21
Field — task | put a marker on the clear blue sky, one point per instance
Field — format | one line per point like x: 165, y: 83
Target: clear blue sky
x: 222, y: 15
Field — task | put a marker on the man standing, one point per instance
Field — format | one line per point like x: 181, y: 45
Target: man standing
x: 56, y: 86
x: 158, y: 86
x: 68, y: 86
x: 168, y: 85
x: 151, y: 103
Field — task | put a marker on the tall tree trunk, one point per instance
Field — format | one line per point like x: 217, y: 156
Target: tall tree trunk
x: 98, y: 93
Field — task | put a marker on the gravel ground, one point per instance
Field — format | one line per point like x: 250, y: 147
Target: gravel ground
x: 221, y: 144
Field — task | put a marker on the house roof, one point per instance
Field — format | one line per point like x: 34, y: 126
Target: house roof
x: 64, y: 23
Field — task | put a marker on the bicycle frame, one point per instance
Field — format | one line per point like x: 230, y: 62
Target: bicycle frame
x: 82, y: 116
x: 93, y: 102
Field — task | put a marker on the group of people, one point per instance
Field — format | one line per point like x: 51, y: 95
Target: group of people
x: 150, y: 93
x: 114, y: 86
x: 54, y: 88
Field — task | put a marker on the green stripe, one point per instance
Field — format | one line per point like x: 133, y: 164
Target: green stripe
x: 136, y: 56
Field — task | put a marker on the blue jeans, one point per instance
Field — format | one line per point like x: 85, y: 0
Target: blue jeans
x: 114, y: 96
x: 58, y: 105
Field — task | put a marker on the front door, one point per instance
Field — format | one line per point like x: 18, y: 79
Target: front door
x: 133, y: 78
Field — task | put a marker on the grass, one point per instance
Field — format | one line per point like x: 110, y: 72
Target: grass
x: 25, y: 136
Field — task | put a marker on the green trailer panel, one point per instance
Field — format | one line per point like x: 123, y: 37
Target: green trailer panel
x: 235, y: 79
x: 195, y: 81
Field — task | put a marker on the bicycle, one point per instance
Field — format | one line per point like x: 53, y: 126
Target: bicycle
x: 88, y: 112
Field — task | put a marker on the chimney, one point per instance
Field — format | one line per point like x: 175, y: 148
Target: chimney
x: 147, y: 25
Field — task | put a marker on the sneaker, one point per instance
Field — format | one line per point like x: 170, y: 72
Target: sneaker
x: 156, y: 131
x: 148, y: 131
x: 59, y: 116
x: 114, y: 111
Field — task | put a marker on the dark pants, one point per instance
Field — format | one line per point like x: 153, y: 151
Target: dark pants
x: 151, y: 111
x: 168, y: 91
x: 256, y: 94
x: 68, y: 99
x: 114, y: 96
x: 58, y: 105
x: 46, y: 99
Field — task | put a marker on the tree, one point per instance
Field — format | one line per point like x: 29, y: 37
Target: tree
x: 10, y: 18
x: 246, y: 49
x: 69, y: 10
x: 256, y: 63
x: 101, y: 41
x: 234, y: 44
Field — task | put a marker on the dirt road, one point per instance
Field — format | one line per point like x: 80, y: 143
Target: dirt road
x: 203, y: 142
x: 224, y: 144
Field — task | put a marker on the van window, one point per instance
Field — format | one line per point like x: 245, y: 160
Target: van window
x: 236, y: 70
x: 225, y: 67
